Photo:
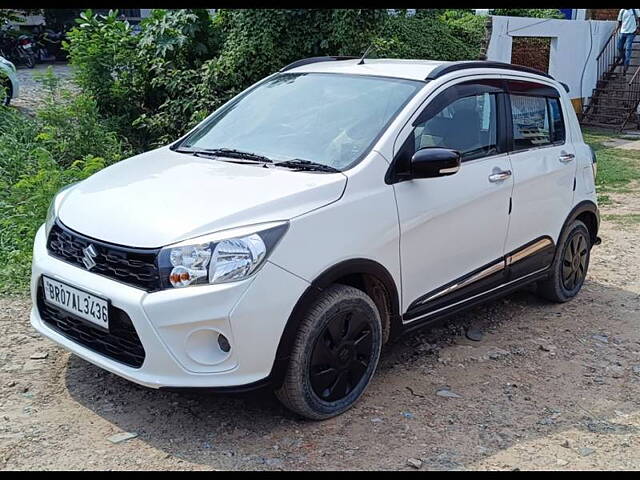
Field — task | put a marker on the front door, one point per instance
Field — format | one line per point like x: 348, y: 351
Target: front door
x: 453, y: 228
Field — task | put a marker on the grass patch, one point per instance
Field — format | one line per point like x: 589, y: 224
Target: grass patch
x: 604, y: 200
x: 624, y: 219
x: 617, y: 168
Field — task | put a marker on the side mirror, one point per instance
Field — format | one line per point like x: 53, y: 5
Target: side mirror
x: 430, y: 162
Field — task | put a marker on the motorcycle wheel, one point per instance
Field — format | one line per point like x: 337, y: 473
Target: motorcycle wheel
x: 30, y: 61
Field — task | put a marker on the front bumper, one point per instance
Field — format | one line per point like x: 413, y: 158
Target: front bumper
x: 179, y: 328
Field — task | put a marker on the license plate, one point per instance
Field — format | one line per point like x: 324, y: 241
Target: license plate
x: 78, y: 302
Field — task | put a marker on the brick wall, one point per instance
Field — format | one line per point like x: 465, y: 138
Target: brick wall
x: 602, y: 13
x: 531, y: 52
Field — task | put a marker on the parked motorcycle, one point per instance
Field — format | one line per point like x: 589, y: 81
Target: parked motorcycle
x: 18, y: 49
x: 48, y: 44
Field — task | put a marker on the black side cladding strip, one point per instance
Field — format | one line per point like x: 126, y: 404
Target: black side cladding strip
x: 533, y: 256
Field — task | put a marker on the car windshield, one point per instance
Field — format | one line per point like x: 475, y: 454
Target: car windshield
x: 330, y: 119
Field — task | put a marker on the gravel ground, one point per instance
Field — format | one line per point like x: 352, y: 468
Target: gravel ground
x: 31, y: 91
x: 547, y: 387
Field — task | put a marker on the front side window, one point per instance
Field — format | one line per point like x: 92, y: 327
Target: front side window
x: 530, y: 122
x: 332, y: 119
x: 467, y: 124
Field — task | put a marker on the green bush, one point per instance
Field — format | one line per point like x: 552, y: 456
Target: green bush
x: 528, y: 12
x: 23, y: 207
x: 467, y: 27
x: 157, y: 85
x: 125, y: 72
x: 427, y: 37
x: 64, y: 143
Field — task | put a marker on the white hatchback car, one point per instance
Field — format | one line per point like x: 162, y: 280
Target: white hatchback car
x: 326, y: 209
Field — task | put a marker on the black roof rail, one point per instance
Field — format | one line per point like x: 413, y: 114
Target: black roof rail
x: 455, y: 66
x: 307, y: 61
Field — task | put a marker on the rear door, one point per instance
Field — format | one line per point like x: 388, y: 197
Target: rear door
x: 544, y: 168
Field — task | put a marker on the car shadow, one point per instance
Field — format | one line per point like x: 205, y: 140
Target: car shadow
x: 254, y: 431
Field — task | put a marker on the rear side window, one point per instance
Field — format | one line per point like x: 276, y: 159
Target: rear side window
x: 557, y: 122
x: 531, y: 125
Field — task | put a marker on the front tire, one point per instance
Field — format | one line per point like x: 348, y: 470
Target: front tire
x: 570, y: 266
x: 335, y: 354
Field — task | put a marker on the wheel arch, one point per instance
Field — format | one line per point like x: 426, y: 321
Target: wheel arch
x: 366, y: 275
x: 587, y: 212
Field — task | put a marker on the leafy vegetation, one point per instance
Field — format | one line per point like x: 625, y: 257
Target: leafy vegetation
x: 183, y: 64
x: 38, y: 156
x: 432, y: 38
x: 528, y: 12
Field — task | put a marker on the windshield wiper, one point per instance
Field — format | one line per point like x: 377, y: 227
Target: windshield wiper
x: 299, y: 164
x: 229, y: 153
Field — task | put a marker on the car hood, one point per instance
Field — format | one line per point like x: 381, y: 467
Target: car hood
x: 161, y: 197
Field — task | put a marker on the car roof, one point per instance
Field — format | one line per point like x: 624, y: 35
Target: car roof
x: 398, y: 68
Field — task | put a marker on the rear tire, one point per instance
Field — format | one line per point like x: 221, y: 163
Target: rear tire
x: 334, y: 355
x: 570, y: 266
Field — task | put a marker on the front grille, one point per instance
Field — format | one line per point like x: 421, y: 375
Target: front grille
x: 134, y: 266
x: 120, y: 343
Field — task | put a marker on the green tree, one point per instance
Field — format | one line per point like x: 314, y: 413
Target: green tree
x: 527, y: 12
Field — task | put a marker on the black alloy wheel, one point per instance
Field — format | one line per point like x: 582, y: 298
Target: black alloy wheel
x: 341, y: 356
x: 334, y: 355
x: 569, y: 268
x: 574, y: 261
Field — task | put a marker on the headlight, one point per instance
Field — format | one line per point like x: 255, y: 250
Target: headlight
x: 52, y: 212
x: 227, y: 256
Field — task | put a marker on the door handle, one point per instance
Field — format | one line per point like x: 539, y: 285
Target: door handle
x: 499, y: 176
x: 566, y: 157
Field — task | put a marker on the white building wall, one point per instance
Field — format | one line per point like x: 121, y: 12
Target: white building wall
x: 575, y: 45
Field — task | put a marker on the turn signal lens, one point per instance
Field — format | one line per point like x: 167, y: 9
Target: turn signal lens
x: 182, y: 277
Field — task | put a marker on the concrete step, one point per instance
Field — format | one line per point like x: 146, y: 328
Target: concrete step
x: 602, y: 125
x: 610, y: 107
x: 614, y: 83
x: 612, y: 95
x: 617, y: 91
x: 607, y: 117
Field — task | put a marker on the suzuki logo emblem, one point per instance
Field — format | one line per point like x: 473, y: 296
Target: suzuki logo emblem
x: 88, y: 258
